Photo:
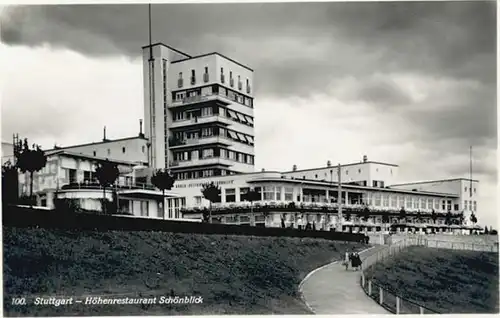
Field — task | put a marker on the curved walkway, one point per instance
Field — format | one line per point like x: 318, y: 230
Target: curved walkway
x: 331, y: 290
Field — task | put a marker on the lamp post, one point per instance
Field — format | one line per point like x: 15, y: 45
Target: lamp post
x: 339, y: 199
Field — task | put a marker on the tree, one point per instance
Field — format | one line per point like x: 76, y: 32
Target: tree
x: 473, y: 218
x: 211, y: 192
x: 402, y: 214
x: 419, y: 216
x: 433, y: 216
x: 461, y: 218
x: 10, y: 184
x: 448, y: 218
x: 107, y: 173
x: 31, y: 160
x: 385, y: 218
x: 251, y: 196
x: 163, y: 180
x: 365, y: 213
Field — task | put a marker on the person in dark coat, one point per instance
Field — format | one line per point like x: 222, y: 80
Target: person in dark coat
x: 357, y: 261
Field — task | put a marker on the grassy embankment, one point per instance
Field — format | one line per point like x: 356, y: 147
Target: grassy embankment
x: 233, y: 274
x: 448, y: 281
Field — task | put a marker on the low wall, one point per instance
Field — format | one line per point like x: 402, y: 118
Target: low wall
x: 14, y: 216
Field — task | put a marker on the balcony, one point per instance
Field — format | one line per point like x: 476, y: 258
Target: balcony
x: 199, y: 99
x: 205, y: 78
x: 202, y: 141
x: 201, y: 162
x: 201, y: 120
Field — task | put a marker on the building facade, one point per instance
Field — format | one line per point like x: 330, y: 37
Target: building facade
x: 199, y: 117
x: 199, y: 124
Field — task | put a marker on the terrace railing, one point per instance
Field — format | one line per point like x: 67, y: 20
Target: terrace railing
x: 391, y: 300
x: 83, y: 186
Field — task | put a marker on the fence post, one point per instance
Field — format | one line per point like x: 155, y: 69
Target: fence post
x: 363, y: 280
x: 381, y: 295
x: 369, y: 288
x: 421, y: 310
x: 398, y: 300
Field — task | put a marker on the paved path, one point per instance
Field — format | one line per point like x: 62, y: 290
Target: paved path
x: 331, y: 290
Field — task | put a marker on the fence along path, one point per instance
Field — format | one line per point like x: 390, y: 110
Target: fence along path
x: 335, y: 291
x: 391, y: 300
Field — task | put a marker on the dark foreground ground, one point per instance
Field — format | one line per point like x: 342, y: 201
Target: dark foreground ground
x: 233, y: 274
x: 448, y: 281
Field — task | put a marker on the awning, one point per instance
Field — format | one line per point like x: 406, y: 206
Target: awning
x: 232, y: 114
x: 242, y: 137
x: 249, y: 119
x: 241, y: 118
x: 232, y: 134
x: 250, y: 139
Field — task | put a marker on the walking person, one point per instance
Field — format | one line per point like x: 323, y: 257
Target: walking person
x: 346, y: 260
x: 357, y: 261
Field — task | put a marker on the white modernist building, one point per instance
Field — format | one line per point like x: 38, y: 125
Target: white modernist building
x: 199, y: 123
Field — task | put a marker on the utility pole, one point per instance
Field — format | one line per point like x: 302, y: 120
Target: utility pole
x: 470, y: 170
x: 152, y: 123
x: 339, y: 199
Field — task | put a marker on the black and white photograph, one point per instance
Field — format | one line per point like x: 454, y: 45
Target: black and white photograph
x: 249, y: 158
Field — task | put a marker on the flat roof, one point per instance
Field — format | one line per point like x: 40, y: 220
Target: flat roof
x: 433, y: 181
x: 214, y: 53
x: 80, y: 155
x: 169, y: 47
x: 344, y: 165
x: 351, y: 186
x: 96, y: 143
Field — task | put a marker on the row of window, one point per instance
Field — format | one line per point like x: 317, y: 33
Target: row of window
x: 214, y: 131
x: 272, y: 193
x: 333, y: 174
x: 124, y: 150
x: 465, y: 189
x: 214, y: 152
x: 470, y: 205
x: 197, y: 93
x: 213, y: 110
x: 206, y: 78
x: 205, y: 173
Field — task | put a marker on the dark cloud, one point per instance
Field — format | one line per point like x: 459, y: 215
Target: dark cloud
x: 301, y: 49
x: 424, y: 36
x: 381, y: 92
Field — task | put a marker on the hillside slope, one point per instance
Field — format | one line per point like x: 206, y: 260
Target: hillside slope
x: 448, y: 281
x: 233, y: 274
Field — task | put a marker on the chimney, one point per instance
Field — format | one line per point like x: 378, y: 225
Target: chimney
x: 294, y: 167
x: 365, y: 158
x: 140, y: 128
x: 104, y: 134
x: 328, y: 163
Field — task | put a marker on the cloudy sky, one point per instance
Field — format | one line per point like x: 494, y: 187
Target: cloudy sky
x: 407, y: 83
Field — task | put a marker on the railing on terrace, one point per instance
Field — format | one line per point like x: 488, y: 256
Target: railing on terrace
x: 82, y: 186
x: 395, y: 301
x: 346, y: 208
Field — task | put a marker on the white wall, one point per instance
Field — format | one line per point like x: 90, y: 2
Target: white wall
x: 133, y: 150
